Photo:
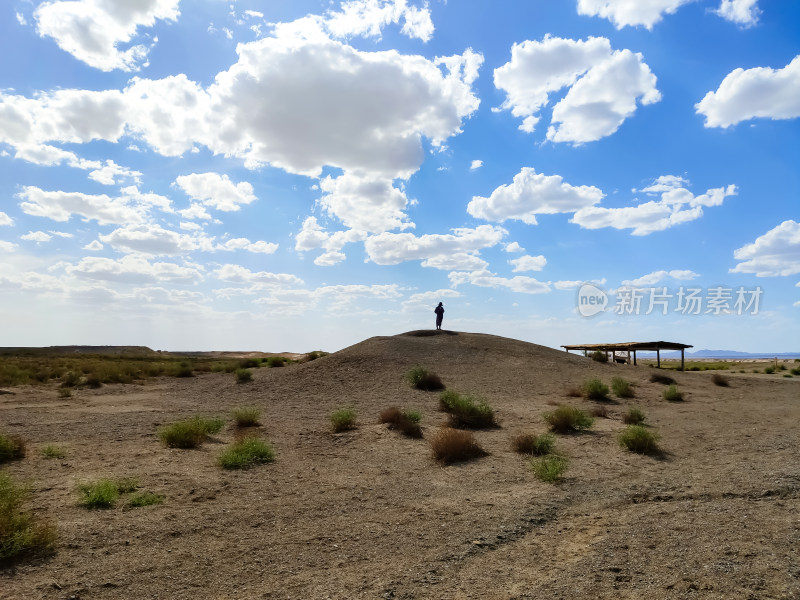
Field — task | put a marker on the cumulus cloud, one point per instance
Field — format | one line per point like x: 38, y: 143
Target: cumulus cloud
x: 676, y: 205
x: 93, y: 30
x: 154, y: 240
x: 448, y: 251
x: 514, y: 247
x: 746, y: 94
x: 533, y: 193
x: 658, y: 276
x: 60, y: 206
x: 529, y: 263
x: 774, y: 254
x: 259, y: 247
x: 630, y: 12
x: 217, y: 191
x: 741, y: 12
x: 239, y: 274
x: 476, y: 164
x: 134, y: 270
x: 364, y: 203
x: 484, y: 278
x: 5, y: 219
x: 7, y: 246
x: 36, y: 236
x: 313, y: 236
x: 94, y: 246
x: 426, y: 300
x: 368, y: 17
x: 604, y: 86
x: 111, y: 173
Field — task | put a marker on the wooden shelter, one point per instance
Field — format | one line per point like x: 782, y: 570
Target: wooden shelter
x: 629, y: 347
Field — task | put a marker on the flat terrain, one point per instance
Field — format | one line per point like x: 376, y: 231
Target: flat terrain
x: 369, y: 513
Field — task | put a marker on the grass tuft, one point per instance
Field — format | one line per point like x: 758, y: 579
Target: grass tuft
x: 421, y: 379
x: 472, y: 412
x: 671, y: 394
x: 566, y: 419
x: 100, y: 494
x: 599, y: 410
x: 639, y: 439
x: 594, y: 389
x: 406, y: 421
x: 533, y: 444
x: 244, y: 375
x: 144, y: 499
x: 550, y: 468
x: 51, y: 451
x: 189, y: 433
x: 12, y: 447
x: 663, y: 379
x: 622, y: 388
x: 247, y: 453
x: 455, y: 445
x: 247, y: 417
x: 720, y: 380
x: 634, y: 416
x: 21, y: 533
x: 343, y: 419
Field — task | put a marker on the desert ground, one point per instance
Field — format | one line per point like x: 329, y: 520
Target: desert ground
x: 369, y: 513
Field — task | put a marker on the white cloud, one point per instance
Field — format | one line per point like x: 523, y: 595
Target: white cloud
x: 630, y: 12
x: 259, y: 247
x: 365, y: 203
x: 111, y: 174
x: 438, y: 251
x: 94, y: 246
x: 483, y: 278
x: 239, y: 274
x: 677, y: 205
x: 368, y: 17
x: 666, y: 183
x: 133, y: 269
x: 217, y: 191
x: 60, y: 206
x: 528, y: 263
x: 313, y: 236
x: 5, y: 219
x: 741, y: 12
x: 154, y: 240
x: 774, y: 254
x: 604, y: 86
x: 195, y: 211
x: 427, y: 300
x: 761, y: 92
x: 657, y: 276
x: 514, y: 247
x: 7, y: 246
x: 532, y: 193
x: 476, y: 164
x: 36, y: 236
x: 92, y: 30
x: 61, y: 234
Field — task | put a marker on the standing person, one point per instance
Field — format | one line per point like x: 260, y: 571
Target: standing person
x: 439, y: 310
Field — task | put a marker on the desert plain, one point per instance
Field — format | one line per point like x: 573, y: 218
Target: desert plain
x: 369, y: 513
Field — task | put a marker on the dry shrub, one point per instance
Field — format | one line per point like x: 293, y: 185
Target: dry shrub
x: 566, y: 419
x: 574, y: 392
x: 404, y: 421
x: 599, y: 411
x: 22, y: 533
x: 533, y: 444
x: 12, y: 447
x: 720, y: 380
x: 634, y: 416
x: 455, y: 445
x: 659, y: 378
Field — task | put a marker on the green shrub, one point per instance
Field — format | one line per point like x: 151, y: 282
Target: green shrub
x: 126, y: 485
x: 316, y: 354
x: 639, y: 439
x: 21, y: 533
x: 671, y: 394
x: 93, y: 381
x: 276, y: 361
x: 622, y: 388
x: 70, y: 379
x: 455, y: 445
x: 467, y: 411
x: 412, y: 415
x: 549, y: 468
x: 795, y: 371
x: 634, y: 416
x: 100, y: 494
x: 769, y: 370
x: 51, y: 451
x: 247, y: 417
x: 184, y: 370
x: 244, y: 375
x: 421, y: 379
x: 405, y: 421
x: 64, y: 392
x: 144, y: 499
x: 720, y: 380
x: 343, y: 419
x: 599, y: 356
x: 781, y: 367
x: 12, y: 447
x: 565, y: 419
x: 189, y: 433
x: 594, y: 389
x: 659, y: 378
x: 534, y: 444
x: 246, y: 453
x: 249, y: 363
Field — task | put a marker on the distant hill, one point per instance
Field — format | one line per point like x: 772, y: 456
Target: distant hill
x: 66, y: 350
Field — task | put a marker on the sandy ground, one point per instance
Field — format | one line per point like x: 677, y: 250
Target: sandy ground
x: 369, y: 513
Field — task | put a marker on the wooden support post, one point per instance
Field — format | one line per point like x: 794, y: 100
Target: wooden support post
x: 658, y: 357
x: 634, y: 358
x: 682, y: 349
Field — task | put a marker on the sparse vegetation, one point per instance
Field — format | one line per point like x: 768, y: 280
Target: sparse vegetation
x: 316, y: 354
x: 276, y: 361
x: 51, y: 451
x: 12, y: 447
x: 144, y: 499
x: 421, y: 379
x: 639, y: 439
x: 599, y: 410
x: 405, y: 421
x: 622, y: 388
x: 720, y: 380
x: 594, y: 389
x: 246, y: 453
x: 550, y: 468
x: 672, y: 394
x: 661, y: 378
x: 65, y: 392
x: 574, y: 391
x: 769, y: 370
x: 343, y: 419
x: 467, y: 411
x: 455, y: 445
x: 599, y: 356
x: 189, y: 433
x: 634, y: 416
x: 21, y: 533
x: 566, y: 419
x: 244, y: 375
x: 247, y: 417
x: 795, y: 371
x: 534, y: 444
x: 100, y: 494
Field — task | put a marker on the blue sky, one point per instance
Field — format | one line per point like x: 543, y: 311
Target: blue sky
x: 298, y: 175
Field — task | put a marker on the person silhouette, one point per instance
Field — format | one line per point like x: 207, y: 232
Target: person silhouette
x: 439, y: 310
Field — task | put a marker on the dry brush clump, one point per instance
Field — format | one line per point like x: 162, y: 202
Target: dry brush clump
x: 421, y: 379
x: 247, y: 417
x: 529, y: 443
x: 594, y: 389
x: 455, y: 445
x: 622, y: 388
x: 12, y: 447
x: 405, y: 421
x: 189, y: 433
x: 720, y: 380
x: 22, y: 533
x: 660, y: 378
x: 567, y: 419
x: 634, y: 416
x: 471, y: 412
